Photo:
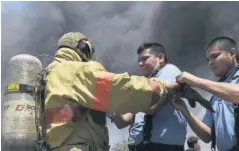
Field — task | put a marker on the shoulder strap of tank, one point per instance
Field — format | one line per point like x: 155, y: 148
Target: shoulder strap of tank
x: 41, y: 143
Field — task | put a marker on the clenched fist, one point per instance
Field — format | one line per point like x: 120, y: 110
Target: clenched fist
x: 187, y: 78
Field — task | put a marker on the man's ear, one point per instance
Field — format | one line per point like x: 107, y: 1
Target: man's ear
x: 161, y: 57
x: 233, y: 52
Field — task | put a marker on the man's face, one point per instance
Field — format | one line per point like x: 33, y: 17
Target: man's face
x: 220, y: 61
x: 148, y: 62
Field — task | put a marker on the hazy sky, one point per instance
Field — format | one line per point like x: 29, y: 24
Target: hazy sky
x: 117, y: 29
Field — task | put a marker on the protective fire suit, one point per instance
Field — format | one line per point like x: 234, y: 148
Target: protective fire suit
x: 72, y: 85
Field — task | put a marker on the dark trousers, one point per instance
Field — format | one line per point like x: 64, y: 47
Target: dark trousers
x: 156, y: 147
x: 235, y: 148
x: 141, y: 147
x: 165, y: 147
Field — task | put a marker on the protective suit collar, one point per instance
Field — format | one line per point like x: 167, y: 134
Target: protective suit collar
x: 65, y: 54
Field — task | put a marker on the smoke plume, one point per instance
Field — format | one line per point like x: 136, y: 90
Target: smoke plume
x: 117, y: 29
x: 186, y: 27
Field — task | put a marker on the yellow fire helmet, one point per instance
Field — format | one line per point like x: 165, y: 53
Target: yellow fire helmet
x: 78, y: 42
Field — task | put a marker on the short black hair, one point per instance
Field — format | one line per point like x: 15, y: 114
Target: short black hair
x: 191, y: 141
x: 155, y: 49
x: 223, y: 42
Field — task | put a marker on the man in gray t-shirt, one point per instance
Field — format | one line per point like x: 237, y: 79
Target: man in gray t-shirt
x: 165, y: 128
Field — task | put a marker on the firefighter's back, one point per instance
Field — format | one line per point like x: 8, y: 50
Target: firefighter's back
x: 69, y: 119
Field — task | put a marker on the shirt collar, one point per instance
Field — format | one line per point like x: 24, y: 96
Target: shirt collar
x: 229, y: 74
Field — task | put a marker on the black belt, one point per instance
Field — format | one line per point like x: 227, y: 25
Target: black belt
x: 167, y: 147
x: 137, y: 147
x: 156, y: 146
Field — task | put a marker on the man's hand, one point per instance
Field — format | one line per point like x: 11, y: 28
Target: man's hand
x: 188, y: 78
x: 173, y: 87
x: 179, y: 104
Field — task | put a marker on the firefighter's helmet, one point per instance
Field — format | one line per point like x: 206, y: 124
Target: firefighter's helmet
x: 78, y: 42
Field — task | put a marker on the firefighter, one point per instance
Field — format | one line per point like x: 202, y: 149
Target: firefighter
x: 79, y: 91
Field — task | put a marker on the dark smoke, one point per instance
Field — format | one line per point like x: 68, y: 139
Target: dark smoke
x: 117, y: 28
x: 186, y: 27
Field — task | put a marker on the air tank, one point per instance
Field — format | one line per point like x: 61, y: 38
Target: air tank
x: 18, y: 121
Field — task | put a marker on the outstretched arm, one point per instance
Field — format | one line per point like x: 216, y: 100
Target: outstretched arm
x: 226, y: 91
x: 120, y: 93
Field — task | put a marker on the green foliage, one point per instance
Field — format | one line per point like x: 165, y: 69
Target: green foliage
x: 123, y: 146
